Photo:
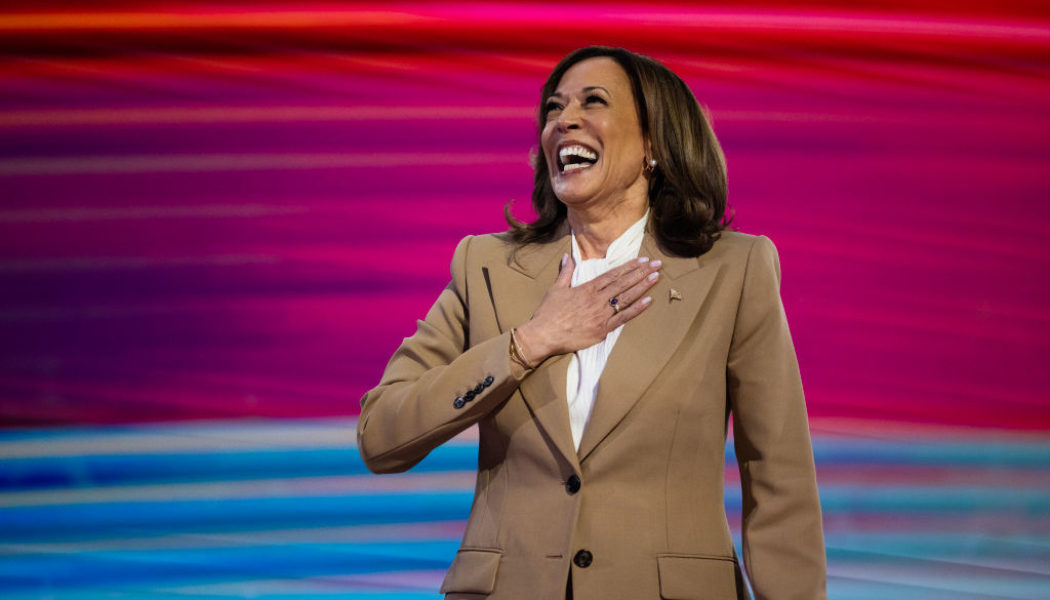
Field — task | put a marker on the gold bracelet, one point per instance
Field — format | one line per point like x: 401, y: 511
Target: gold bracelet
x: 516, y: 353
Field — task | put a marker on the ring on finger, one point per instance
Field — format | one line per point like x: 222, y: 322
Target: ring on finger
x: 614, y: 302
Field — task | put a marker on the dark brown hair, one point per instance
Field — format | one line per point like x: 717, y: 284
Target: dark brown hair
x: 687, y: 190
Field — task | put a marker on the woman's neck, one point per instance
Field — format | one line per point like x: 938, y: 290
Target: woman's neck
x: 596, y: 228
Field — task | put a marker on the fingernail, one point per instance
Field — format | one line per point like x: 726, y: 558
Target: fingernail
x: 652, y: 276
x: 656, y: 264
x: 646, y: 300
x: 564, y: 259
x: 643, y: 259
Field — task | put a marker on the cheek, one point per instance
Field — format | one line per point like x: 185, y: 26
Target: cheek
x: 547, y: 133
x: 545, y: 144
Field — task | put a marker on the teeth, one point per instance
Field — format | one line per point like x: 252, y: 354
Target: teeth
x: 577, y: 151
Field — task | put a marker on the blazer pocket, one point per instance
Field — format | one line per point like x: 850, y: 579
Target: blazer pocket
x: 472, y: 572
x: 695, y: 577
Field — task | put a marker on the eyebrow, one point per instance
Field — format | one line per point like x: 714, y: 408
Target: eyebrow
x: 585, y: 90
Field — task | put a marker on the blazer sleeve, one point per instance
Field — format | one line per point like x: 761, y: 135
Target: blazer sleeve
x: 783, y: 542
x: 434, y: 386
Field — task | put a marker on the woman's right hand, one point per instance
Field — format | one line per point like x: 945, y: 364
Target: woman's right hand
x: 572, y: 318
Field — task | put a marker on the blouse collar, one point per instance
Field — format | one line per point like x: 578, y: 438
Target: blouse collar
x: 623, y: 248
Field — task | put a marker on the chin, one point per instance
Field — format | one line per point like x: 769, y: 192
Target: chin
x: 571, y: 192
x: 570, y: 197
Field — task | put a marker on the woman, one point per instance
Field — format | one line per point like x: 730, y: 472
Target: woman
x: 601, y: 350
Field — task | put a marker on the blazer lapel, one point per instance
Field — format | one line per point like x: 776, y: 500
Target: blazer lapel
x: 647, y: 342
x: 515, y: 293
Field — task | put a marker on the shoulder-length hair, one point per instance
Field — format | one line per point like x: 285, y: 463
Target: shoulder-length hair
x: 687, y: 189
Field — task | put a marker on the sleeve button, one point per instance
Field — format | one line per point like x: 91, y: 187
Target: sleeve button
x: 459, y: 402
x: 489, y: 380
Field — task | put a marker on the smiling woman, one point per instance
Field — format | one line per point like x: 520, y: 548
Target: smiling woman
x: 684, y: 168
x: 601, y: 350
x: 594, y: 147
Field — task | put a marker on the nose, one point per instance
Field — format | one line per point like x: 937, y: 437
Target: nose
x: 569, y: 117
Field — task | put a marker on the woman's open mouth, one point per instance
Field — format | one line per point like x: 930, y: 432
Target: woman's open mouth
x: 573, y: 156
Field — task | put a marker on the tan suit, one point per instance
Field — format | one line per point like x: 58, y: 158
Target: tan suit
x: 638, y: 511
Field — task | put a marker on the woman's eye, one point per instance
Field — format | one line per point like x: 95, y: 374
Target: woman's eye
x: 596, y: 99
x: 552, y: 106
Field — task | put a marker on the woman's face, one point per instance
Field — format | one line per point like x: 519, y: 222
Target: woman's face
x: 592, y: 140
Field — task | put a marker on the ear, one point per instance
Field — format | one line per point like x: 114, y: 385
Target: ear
x: 649, y: 161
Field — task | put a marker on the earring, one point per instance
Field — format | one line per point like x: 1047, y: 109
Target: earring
x: 649, y: 166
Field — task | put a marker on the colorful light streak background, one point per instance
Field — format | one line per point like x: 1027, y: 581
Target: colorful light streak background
x: 217, y: 222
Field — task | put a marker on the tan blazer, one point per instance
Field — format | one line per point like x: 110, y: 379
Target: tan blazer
x: 638, y: 511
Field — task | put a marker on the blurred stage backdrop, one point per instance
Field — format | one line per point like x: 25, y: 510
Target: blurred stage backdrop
x: 218, y: 221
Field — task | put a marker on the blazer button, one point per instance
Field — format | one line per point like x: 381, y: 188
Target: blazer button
x: 469, y: 395
x: 459, y: 402
x: 583, y: 559
x: 478, y: 389
x: 489, y: 380
x: 573, y: 484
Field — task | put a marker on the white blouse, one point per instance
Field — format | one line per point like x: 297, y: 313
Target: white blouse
x: 586, y: 366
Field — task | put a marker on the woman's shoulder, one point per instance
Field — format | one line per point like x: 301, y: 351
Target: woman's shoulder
x: 493, y: 241
x: 475, y: 252
x: 736, y: 245
x: 502, y: 247
x: 487, y: 244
